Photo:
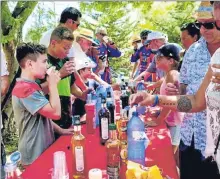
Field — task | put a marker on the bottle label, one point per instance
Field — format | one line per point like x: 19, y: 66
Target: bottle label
x: 139, y: 135
x: 113, y: 172
x: 104, y: 125
x: 124, y: 152
x: 79, y: 158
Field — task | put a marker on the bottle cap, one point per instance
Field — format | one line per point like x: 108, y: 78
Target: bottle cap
x: 95, y: 173
x: 112, y: 127
x: 76, y: 120
x: 103, y: 101
x: 15, y: 157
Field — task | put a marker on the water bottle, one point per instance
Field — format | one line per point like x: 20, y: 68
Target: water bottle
x: 140, y: 88
x: 137, y: 140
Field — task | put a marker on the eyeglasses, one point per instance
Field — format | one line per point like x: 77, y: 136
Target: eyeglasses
x: 144, y: 38
x: 102, y: 34
x: 77, y: 24
x: 207, y: 25
x: 216, y: 25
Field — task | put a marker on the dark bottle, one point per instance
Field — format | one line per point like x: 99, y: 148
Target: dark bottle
x: 104, y: 121
x: 111, y: 107
x: 124, y: 97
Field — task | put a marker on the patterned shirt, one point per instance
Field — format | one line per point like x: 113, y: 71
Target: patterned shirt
x: 195, y: 65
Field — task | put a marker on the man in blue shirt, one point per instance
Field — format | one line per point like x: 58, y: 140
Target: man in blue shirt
x: 107, y: 49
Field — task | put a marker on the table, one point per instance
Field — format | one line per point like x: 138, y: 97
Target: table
x: 159, y: 153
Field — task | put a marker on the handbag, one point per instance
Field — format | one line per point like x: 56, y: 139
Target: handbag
x: 211, y: 166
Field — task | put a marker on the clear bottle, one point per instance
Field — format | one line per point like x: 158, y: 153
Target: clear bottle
x: 140, y: 88
x: 124, y: 97
x: 78, y: 149
x: 110, y: 106
x: 136, y: 139
x: 10, y: 171
x: 113, y: 153
x: 104, y: 121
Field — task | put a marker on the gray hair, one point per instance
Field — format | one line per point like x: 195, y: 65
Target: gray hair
x: 99, y: 29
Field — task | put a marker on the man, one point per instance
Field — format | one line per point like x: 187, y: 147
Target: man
x: 69, y: 18
x: 142, y: 54
x: 60, y: 44
x: 107, y: 49
x: 4, y: 89
x: 155, y: 40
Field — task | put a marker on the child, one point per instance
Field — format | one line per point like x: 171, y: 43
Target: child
x: 167, y: 59
x: 31, y: 108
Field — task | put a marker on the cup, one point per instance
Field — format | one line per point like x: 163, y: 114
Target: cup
x: 95, y: 173
x: 60, y: 170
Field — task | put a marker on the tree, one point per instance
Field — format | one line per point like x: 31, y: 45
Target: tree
x: 44, y: 20
x: 11, y: 26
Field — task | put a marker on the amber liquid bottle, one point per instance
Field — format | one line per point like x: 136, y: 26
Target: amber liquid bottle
x: 113, y: 153
x: 78, y: 149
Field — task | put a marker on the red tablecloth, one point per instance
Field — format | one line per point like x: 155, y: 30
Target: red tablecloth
x: 159, y: 153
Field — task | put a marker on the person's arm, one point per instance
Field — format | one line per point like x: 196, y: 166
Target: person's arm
x: 78, y: 93
x: 155, y: 85
x: 183, y: 103
x: 134, y: 69
x: 4, y: 84
x: 62, y: 131
x: 53, y: 109
x: 98, y: 79
x: 113, y: 51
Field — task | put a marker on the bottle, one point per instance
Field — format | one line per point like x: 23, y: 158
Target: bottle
x: 140, y: 88
x: 98, y: 107
x: 90, y: 115
x: 78, y: 149
x: 136, y: 139
x: 110, y: 106
x: 113, y: 153
x: 124, y: 97
x: 104, y: 121
x: 10, y: 170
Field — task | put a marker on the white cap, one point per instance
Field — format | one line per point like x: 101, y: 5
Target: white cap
x: 95, y: 173
x: 85, y: 63
x: 156, y: 35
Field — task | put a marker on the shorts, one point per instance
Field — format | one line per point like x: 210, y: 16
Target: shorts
x: 175, y: 134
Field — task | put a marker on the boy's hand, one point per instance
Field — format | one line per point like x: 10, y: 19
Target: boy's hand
x: 53, y: 78
x: 67, y: 69
x: 67, y: 131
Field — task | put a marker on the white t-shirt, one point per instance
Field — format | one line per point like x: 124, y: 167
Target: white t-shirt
x: 45, y: 40
x: 4, y: 71
x: 213, y: 113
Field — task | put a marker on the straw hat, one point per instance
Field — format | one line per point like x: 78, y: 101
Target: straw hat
x: 135, y: 38
x: 204, y: 11
x: 86, y: 34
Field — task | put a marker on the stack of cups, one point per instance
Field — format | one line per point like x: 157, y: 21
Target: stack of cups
x: 95, y: 173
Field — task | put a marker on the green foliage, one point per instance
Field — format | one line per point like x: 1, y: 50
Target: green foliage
x: 43, y: 20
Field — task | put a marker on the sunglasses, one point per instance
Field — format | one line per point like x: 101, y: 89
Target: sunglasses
x: 77, y: 24
x: 102, y: 34
x: 207, y: 25
x: 217, y: 27
x: 144, y: 38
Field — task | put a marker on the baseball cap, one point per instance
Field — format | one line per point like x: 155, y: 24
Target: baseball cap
x: 144, y: 33
x: 169, y: 50
x: 85, y: 63
x: 155, y: 35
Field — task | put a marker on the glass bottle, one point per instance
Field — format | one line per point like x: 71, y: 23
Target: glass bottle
x: 104, y: 121
x: 78, y: 149
x: 113, y: 153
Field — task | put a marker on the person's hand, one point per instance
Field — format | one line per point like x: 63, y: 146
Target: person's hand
x: 216, y: 75
x: 69, y: 131
x: 67, y: 69
x: 87, y: 91
x: 142, y: 98
x: 116, y: 87
x: 172, y: 89
x: 151, y: 123
x: 53, y: 77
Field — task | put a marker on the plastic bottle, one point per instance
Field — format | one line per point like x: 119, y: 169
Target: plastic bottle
x: 136, y: 139
x: 10, y: 171
x: 140, y: 88
x: 90, y: 115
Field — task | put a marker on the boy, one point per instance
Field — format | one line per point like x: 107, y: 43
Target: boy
x: 31, y: 108
x: 60, y: 43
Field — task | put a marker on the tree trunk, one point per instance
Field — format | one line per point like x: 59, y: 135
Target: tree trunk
x: 11, y: 26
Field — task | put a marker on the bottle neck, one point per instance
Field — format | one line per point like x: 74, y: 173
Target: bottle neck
x: 77, y: 130
x: 113, y: 134
x: 103, y: 105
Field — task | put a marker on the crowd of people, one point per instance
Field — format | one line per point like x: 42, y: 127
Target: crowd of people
x: 187, y: 77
